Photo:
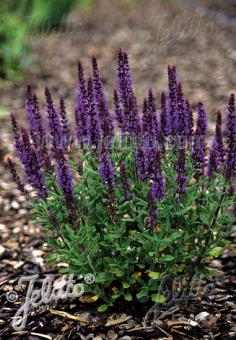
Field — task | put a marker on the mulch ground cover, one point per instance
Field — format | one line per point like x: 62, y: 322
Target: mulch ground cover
x: 154, y: 33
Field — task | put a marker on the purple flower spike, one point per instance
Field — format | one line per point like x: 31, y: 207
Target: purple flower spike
x: 188, y: 117
x: 54, y: 123
x: 16, y: 135
x: 214, y: 160
x: 158, y: 184
x: 82, y: 106
x: 30, y: 160
x: 219, y: 143
x: 131, y: 120
x: 118, y: 111
x: 93, y: 121
x: 230, y: 133
x: 64, y: 176
x: 64, y: 122
x: 132, y: 116
x: 180, y: 169
x: 101, y: 103
x: 140, y: 163
x: 35, y: 120
x: 106, y: 169
x: 152, y: 211
x: 16, y: 177
x: 153, y: 127
x: 199, y: 143
x: 125, y: 183
x: 164, y: 119
x: 172, y: 100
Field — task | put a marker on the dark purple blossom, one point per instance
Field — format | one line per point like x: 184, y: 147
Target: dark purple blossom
x: 101, y: 102
x: 158, y: 182
x: 125, y: 182
x: 16, y: 135
x: 65, y: 180
x: 219, y: 137
x: 35, y: 119
x: 118, y: 111
x: 199, y: 142
x: 106, y: 169
x: 64, y: 123
x: 172, y: 100
x: 230, y: 133
x: 92, y: 119
x: 189, y: 117
x: 54, y: 123
x: 30, y: 161
x: 180, y: 169
x: 16, y: 177
x: 214, y: 160
x: 81, y: 106
x: 140, y: 163
x: 164, y: 118
x: 131, y: 119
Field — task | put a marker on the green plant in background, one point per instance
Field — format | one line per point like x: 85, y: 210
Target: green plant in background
x: 134, y: 199
x: 18, y: 19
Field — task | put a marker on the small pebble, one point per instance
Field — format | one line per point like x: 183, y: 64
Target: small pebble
x: 202, y: 316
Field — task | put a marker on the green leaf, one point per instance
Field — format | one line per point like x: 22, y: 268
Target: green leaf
x: 216, y: 251
x: 102, y: 308
x: 142, y: 293
x: 158, y: 298
x: 166, y: 258
x: 154, y: 275
x: 128, y: 297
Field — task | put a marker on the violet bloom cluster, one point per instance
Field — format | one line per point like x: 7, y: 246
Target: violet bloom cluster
x: 106, y: 169
x: 125, y: 186
x: 164, y: 127
x: 230, y: 133
x: 199, y: 143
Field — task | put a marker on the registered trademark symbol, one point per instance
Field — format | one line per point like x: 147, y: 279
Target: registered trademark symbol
x: 12, y: 296
x: 89, y: 278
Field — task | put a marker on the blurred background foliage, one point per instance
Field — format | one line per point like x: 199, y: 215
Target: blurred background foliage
x: 19, y: 19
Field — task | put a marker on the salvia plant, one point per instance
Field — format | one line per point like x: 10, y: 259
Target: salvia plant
x: 129, y: 194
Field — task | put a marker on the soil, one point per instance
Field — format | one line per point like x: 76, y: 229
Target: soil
x: 155, y: 34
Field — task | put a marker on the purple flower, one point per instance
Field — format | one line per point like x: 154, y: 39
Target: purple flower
x: 64, y: 176
x: 125, y: 183
x: 35, y: 119
x: 16, y: 135
x: 154, y: 126
x: 214, y: 160
x: 64, y: 123
x: 30, y: 161
x: 65, y: 180
x: 16, y: 177
x: 101, y: 102
x: 140, y: 163
x: 219, y: 137
x: 164, y: 119
x: 92, y: 120
x: 230, y: 133
x: 199, y: 143
x: 131, y: 120
x: 152, y: 211
x: 54, y: 123
x: 118, y: 111
x: 188, y: 117
x: 180, y: 169
x: 81, y: 106
x: 172, y: 100
x: 158, y: 184
x: 106, y: 169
